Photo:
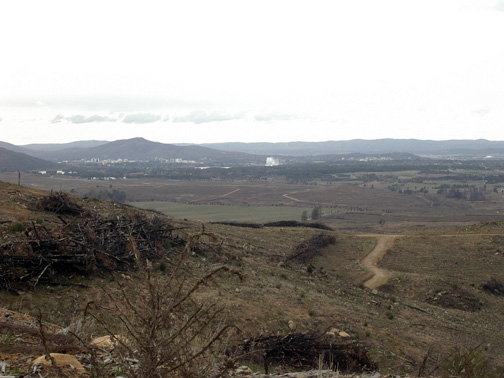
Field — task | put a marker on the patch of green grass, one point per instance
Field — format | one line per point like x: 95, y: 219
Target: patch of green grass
x: 17, y: 227
x: 7, y: 340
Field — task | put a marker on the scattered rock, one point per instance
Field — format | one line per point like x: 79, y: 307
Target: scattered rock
x: 243, y: 370
x: 106, y: 342
x: 292, y: 325
x: 60, y: 360
x: 332, y: 332
x: 344, y: 335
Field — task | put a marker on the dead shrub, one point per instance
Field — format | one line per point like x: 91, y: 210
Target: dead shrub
x: 493, y: 286
x: 60, y: 203
x: 307, y: 351
x: 454, y: 298
x: 310, y: 248
x: 165, y: 328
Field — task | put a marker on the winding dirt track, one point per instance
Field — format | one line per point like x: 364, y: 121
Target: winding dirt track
x: 370, y: 262
x: 383, y: 244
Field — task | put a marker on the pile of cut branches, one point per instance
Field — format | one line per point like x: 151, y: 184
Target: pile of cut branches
x: 493, y: 286
x: 84, y: 243
x: 60, y: 203
x: 310, y: 248
x: 284, y: 223
x: 307, y: 351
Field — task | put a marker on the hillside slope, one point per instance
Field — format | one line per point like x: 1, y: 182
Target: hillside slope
x: 142, y: 149
x: 13, y: 161
x: 472, y: 148
x: 399, y: 322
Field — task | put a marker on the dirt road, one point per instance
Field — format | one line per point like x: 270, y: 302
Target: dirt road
x: 383, y: 244
x: 370, y: 262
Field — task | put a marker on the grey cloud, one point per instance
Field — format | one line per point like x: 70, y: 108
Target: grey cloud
x: 82, y: 119
x: 90, y: 119
x: 141, y: 118
x: 58, y: 118
x: 166, y: 119
x: 272, y: 117
x: 200, y: 116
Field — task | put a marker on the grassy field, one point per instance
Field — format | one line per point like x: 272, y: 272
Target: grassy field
x: 218, y: 213
x: 362, y: 206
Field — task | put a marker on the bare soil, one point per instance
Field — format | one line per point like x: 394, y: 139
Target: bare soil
x: 371, y: 261
x: 430, y: 282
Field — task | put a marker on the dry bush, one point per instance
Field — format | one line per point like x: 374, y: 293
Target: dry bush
x: 284, y: 223
x: 165, y: 329
x: 310, y: 248
x: 60, y: 203
x: 88, y: 244
x: 469, y: 363
x: 493, y: 286
x: 454, y: 298
x: 307, y: 351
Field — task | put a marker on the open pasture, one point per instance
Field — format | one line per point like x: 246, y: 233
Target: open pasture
x: 216, y: 213
x: 361, y: 206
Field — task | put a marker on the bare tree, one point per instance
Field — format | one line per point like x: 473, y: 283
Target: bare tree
x: 167, y: 330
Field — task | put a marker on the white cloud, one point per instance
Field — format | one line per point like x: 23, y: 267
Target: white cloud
x: 89, y: 119
x: 200, y: 116
x: 273, y: 117
x: 77, y: 119
x: 58, y: 118
x: 141, y: 118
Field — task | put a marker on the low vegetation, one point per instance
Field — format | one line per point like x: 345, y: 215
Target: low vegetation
x: 60, y: 253
x: 305, y: 351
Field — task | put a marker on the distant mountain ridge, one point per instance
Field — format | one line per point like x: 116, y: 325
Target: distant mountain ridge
x: 232, y: 153
x: 63, y: 146
x: 13, y: 161
x: 136, y: 149
x: 480, y: 147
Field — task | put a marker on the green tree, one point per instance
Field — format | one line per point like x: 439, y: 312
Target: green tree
x: 304, y: 216
x: 316, y: 213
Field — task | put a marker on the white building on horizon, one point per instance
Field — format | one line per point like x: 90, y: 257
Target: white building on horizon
x: 272, y: 161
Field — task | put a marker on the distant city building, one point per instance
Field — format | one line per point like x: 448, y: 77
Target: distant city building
x: 272, y: 161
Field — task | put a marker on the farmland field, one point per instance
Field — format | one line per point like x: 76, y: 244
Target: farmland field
x: 213, y: 213
x: 386, y: 203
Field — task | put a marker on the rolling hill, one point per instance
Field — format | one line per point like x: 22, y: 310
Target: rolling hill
x: 142, y: 149
x: 467, y: 148
x: 63, y: 146
x: 422, y: 308
x: 13, y: 161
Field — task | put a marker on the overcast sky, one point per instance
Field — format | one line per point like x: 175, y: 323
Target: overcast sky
x: 222, y: 71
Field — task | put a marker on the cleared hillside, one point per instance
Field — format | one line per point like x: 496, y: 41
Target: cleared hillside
x: 433, y: 299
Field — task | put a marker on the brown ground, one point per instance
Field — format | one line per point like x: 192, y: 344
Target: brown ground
x: 430, y: 300
x: 371, y: 261
x: 346, y: 207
